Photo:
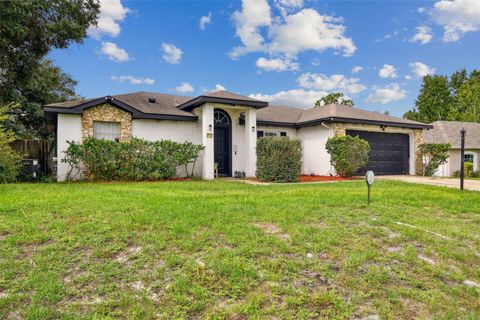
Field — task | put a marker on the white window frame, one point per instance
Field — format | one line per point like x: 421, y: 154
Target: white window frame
x: 475, y: 160
x: 107, y: 130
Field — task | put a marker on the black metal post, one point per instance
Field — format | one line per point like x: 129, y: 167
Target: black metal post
x: 462, y: 157
x: 368, y: 202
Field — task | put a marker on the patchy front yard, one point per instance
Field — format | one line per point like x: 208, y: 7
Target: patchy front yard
x: 231, y: 250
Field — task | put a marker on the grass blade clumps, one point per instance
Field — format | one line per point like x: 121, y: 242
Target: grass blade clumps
x: 348, y: 154
x: 279, y: 159
x: 136, y: 159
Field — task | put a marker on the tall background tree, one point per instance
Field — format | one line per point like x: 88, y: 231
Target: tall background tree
x: 29, y: 29
x: 442, y: 98
x: 334, y: 97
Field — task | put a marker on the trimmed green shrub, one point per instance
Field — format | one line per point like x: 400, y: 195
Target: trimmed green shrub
x: 347, y: 154
x: 434, y: 155
x: 279, y: 159
x: 468, y: 169
x: 136, y: 159
x: 9, y: 159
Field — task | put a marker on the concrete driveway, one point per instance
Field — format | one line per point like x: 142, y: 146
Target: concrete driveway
x: 434, y: 181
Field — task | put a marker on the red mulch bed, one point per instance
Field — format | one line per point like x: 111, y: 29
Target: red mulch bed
x: 310, y: 178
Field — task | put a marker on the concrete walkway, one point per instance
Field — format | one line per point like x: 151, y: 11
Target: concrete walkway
x: 435, y: 181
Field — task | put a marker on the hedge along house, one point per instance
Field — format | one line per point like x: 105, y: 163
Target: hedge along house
x: 227, y: 125
x: 449, y: 132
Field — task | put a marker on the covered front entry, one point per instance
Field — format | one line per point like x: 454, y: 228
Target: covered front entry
x: 222, y: 142
x: 389, y: 152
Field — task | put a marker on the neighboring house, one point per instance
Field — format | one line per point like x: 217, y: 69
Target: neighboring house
x: 449, y: 132
x: 228, y: 125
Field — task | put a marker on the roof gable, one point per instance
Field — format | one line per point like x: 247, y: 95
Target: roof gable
x: 223, y: 97
x: 163, y: 106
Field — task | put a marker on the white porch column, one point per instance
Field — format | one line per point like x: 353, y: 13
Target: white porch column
x: 207, y: 141
x: 250, y: 142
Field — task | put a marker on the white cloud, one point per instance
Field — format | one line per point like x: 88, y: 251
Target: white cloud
x: 421, y: 69
x: 171, y: 53
x: 384, y: 95
x: 132, y: 80
x: 254, y: 14
x: 113, y: 52
x: 309, y: 30
x: 408, y: 77
x: 335, y: 82
x: 388, y: 71
x: 421, y: 10
x: 296, y: 97
x: 184, y: 87
x: 111, y: 13
x: 457, y: 17
x: 219, y: 87
x: 423, y: 35
x: 286, y: 6
x: 276, y: 64
x: 357, y: 69
x: 205, y: 20
x: 392, y: 35
x: 290, y: 34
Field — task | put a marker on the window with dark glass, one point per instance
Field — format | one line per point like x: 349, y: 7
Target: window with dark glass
x: 283, y: 134
x: 468, y: 158
x: 220, y: 117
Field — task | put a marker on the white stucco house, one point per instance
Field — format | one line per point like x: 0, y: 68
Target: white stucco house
x: 228, y: 126
x: 449, y: 132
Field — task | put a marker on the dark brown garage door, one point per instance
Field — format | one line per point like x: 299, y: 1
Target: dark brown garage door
x: 389, y: 152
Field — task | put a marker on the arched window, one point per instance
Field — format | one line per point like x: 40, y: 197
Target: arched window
x: 221, y: 118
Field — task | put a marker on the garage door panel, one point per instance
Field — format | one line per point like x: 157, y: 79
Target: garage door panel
x: 389, y: 152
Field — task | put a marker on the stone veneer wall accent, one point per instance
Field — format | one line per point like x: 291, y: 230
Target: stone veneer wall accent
x: 107, y: 113
x: 418, y: 137
x: 339, y: 129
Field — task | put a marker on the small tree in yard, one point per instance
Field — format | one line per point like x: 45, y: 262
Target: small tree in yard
x: 434, y: 155
x: 188, y: 154
x: 279, y: 159
x: 347, y: 154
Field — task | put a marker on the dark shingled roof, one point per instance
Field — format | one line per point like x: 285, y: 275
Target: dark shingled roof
x: 279, y: 114
x: 229, y: 95
x: 164, y: 104
x: 329, y: 113
x: 167, y: 106
x: 449, y: 132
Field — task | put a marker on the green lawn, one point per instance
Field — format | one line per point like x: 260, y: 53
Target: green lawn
x: 231, y: 250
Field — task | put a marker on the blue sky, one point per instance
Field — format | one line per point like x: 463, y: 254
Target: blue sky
x: 289, y: 52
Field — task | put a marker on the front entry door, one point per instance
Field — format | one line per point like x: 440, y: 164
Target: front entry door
x: 222, y: 142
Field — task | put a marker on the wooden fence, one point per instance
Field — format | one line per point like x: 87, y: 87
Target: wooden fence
x: 43, y: 150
